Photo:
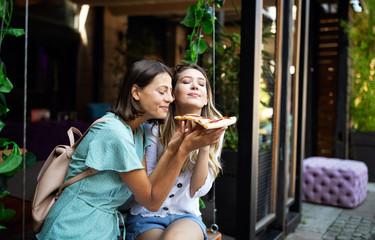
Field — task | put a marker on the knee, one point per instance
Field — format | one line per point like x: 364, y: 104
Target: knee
x: 175, y: 236
x: 180, y: 235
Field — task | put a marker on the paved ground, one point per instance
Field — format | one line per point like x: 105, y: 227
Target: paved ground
x: 321, y: 222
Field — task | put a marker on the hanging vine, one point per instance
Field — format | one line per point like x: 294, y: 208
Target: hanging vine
x: 11, y: 155
x: 200, y: 18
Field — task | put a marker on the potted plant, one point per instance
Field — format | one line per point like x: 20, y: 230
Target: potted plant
x: 361, y: 49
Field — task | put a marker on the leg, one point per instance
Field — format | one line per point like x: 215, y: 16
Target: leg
x: 152, y: 234
x: 183, y: 229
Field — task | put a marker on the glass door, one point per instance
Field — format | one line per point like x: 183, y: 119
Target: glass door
x: 292, y: 113
x: 268, y: 115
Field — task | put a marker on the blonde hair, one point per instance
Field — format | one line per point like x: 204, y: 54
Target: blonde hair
x: 167, y: 129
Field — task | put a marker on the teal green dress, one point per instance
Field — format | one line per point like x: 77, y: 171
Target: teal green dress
x: 88, y: 209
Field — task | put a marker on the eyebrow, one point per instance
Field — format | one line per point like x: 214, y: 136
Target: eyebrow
x: 190, y: 77
x: 164, y: 86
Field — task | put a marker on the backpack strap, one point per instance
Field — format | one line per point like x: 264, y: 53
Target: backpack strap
x: 88, y: 171
x: 71, y: 140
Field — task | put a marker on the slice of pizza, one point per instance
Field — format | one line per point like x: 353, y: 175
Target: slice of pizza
x: 208, y: 122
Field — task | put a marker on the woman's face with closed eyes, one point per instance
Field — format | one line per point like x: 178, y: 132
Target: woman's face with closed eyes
x: 190, y: 92
x: 155, y: 98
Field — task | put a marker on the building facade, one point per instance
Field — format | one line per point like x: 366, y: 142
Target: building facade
x: 293, y: 87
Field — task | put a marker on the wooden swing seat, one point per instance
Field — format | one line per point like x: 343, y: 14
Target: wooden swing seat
x: 213, y: 236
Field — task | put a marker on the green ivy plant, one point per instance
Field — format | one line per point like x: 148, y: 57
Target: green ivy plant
x: 200, y: 18
x: 227, y: 62
x: 11, y: 158
x: 227, y: 69
x: 362, y: 53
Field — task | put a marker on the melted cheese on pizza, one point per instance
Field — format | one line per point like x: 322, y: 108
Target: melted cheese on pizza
x: 208, y: 122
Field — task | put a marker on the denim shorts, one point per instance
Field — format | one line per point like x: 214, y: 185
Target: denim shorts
x: 136, y: 224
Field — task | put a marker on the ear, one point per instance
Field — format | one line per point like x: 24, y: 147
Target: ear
x: 135, y: 92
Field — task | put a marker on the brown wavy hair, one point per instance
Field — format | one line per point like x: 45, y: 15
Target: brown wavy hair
x: 140, y: 73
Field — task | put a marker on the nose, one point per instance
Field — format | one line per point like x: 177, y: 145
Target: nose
x: 194, y: 85
x: 169, y: 97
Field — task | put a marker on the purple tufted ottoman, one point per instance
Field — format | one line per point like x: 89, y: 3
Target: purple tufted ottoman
x: 333, y: 181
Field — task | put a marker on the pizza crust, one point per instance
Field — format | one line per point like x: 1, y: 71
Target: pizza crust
x: 208, y: 122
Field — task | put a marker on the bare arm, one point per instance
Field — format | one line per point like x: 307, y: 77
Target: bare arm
x: 153, y: 194
x: 168, y: 155
x: 200, y: 170
x: 150, y: 195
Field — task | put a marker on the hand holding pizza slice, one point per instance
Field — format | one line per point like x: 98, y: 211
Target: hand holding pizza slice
x: 208, y: 122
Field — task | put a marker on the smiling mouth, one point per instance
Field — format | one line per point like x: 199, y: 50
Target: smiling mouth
x: 164, y: 108
x: 194, y: 95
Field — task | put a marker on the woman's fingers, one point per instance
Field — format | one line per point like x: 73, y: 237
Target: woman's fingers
x: 201, y: 137
x: 215, y: 134
x: 178, y: 137
x: 189, y: 126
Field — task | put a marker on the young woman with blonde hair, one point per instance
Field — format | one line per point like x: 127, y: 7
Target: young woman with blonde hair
x: 179, y: 217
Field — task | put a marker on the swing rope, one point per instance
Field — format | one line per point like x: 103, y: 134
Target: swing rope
x: 24, y: 120
x: 214, y: 227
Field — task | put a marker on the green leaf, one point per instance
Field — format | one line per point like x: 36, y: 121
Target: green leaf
x: 187, y: 58
x: 201, y: 2
x: 3, y: 72
x: 5, y: 85
x: 3, y: 141
x: 3, y: 102
x: 2, y: 4
x: 10, y: 163
x: 201, y: 203
x: 193, y: 53
x: 15, y: 32
x: 187, y: 61
x: 189, y: 20
x: 219, y: 3
x: 208, y: 21
x: 3, y: 109
x: 199, y: 12
x: 2, y: 98
x: 6, y: 214
x: 4, y: 193
x: 202, y: 46
x: 30, y: 160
